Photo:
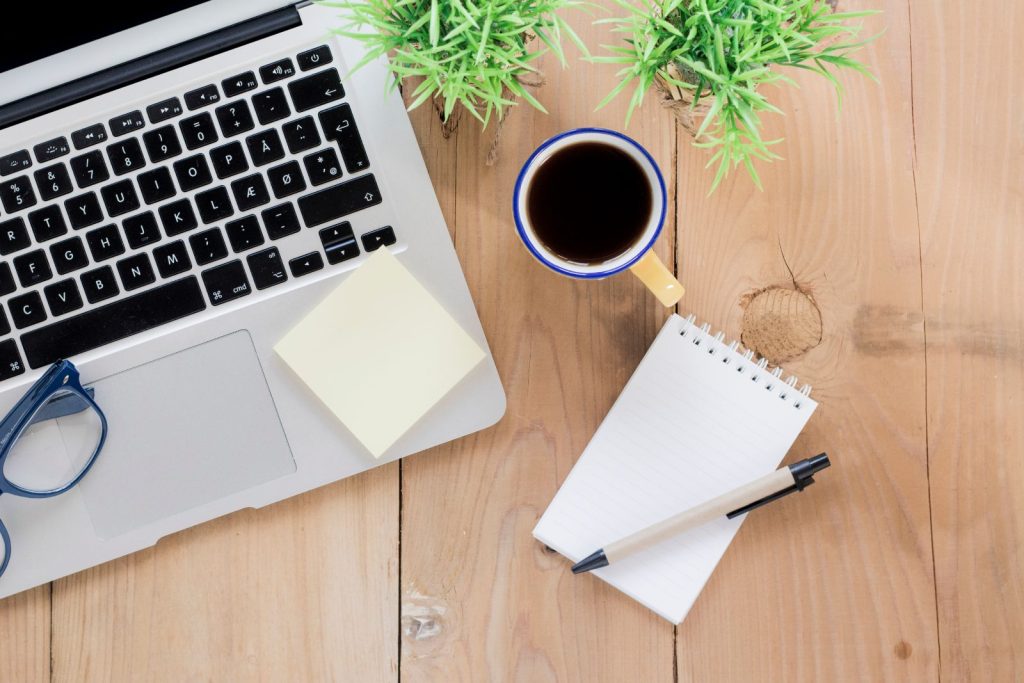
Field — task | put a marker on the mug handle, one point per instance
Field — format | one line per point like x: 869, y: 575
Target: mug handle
x: 659, y: 279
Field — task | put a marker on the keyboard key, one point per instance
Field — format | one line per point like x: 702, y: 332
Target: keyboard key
x: 136, y: 271
x: 244, y: 234
x: 5, y: 327
x: 126, y: 156
x: 322, y: 166
x: 141, y: 230
x: 105, y: 242
x: 281, y: 221
x: 7, y: 284
x: 12, y: 163
x: 162, y: 144
x: 53, y: 181
x: 267, y: 268
x: 313, y: 91
x: 340, y: 126
x: 235, y: 118
x: 63, y: 297
x: 301, y: 135
x: 120, y: 198
x: 164, y: 110
x: 87, y: 137
x: 201, y: 97
x: 192, y: 172
x: 382, y: 237
x: 226, y: 283
x: 236, y: 85
x: 172, y: 259
x: 198, y: 131
x: 229, y: 160
x: 339, y: 243
x: 13, y: 236
x: 118, y: 320
x: 89, y: 169
x: 339, y: 200
x: 126, y: 123
x: 27, y: 310
x: 99, y: 284
x: 250, y: 192
x: 271, y: 105
x: 69, y: 255
x: 47, y: 223
x: 156, y: 185
x: 16, y: 194
x: 214, y: 205
x: 318, y: 56
x: 32, y: 268
x: 286, y: 179
x: 208, y: 246
x: 304, y: 265
x: 265, y: 147
x: 84, y: 210
x: 177, y: 217
x: 10, y: 359
x: 277, y: 71
x: 51, y: 149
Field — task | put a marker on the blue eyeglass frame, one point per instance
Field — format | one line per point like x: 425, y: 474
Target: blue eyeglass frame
x: 29, y: 410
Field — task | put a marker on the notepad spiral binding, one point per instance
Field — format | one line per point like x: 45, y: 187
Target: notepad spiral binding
x: 758, y: 371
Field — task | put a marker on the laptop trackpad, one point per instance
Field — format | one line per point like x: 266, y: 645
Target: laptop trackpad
x: 184, y: 430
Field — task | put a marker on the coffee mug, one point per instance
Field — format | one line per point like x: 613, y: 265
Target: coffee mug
x: 590, y: 203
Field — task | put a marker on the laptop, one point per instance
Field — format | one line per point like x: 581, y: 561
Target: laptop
x: 180, y: 183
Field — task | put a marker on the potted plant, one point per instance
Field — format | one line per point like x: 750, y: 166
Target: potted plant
x: 460, y: 53
x: 708, y: 58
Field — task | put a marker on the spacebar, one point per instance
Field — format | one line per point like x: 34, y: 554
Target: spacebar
x: 106, y: 324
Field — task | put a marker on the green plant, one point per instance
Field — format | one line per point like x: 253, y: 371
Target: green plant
x: 469, y: 52
x: 723, y: 51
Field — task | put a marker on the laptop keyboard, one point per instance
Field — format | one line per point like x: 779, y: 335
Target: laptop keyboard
x: 187, y: 203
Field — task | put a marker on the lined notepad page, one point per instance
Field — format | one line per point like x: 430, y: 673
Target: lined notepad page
x: 691, y: 424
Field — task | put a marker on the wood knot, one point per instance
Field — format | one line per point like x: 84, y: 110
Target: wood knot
x: 423, y: 617
x: 780, y: 323
x: 903, y: 650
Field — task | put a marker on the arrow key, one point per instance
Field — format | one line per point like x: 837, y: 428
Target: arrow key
x: 304, y: 265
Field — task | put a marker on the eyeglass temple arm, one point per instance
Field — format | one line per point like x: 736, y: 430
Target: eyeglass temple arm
x: 62, y: 406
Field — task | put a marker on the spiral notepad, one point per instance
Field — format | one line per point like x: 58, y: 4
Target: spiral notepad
x: 697, y: 419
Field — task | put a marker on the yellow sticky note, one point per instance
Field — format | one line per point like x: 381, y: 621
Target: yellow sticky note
x: 379, y: 351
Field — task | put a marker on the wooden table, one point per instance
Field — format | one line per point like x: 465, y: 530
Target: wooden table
x: 898, y: 221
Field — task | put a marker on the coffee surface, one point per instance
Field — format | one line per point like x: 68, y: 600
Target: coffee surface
x: 589, y: 202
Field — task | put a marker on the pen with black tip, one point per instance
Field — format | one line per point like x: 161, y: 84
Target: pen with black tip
x: 781, y: 482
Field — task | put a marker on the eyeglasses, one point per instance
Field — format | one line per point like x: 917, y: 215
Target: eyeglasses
x: 49, y: 440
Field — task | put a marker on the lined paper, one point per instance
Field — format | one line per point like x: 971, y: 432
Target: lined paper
x: 691, y: 424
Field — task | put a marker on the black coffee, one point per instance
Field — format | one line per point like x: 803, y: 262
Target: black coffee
x: 589, y: 202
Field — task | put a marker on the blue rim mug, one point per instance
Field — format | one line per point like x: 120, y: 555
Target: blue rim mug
x: 640, y: 258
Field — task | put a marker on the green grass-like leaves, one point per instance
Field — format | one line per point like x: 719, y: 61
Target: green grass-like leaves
x: 467, y: 52
x: 726, y: 49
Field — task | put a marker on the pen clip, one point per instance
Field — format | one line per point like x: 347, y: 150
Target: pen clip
x: 800, y: 485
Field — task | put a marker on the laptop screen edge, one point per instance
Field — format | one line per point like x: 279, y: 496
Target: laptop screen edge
x: 129, y: 44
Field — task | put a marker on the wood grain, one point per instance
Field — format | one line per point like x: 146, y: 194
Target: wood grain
x: 302, y: 590
x: 25, y: 636
x: 970, y: 164
x: 481, y: 600
x: 835, y: 585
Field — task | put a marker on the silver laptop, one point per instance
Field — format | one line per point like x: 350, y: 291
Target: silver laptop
x: 180, y: 182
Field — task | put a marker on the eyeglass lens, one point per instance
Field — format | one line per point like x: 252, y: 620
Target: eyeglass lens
x: 57, y: 446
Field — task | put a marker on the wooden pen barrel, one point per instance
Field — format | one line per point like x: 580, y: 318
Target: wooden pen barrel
x: 716, y: 507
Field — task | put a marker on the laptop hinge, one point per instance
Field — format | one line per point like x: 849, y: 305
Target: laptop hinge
x: 149, y: 65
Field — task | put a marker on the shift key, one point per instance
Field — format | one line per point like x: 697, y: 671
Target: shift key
x: 339, y: 200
